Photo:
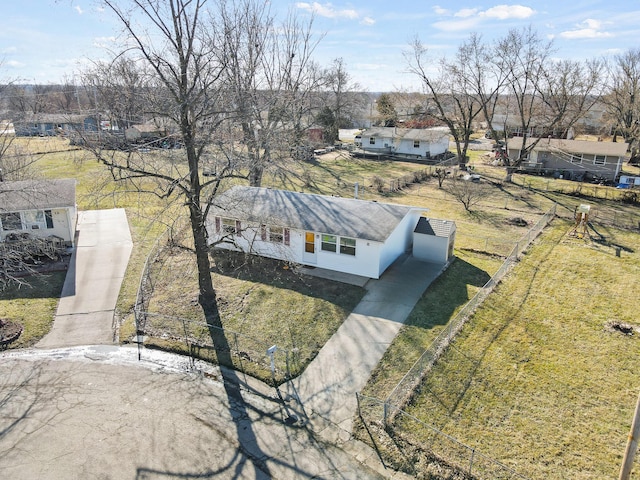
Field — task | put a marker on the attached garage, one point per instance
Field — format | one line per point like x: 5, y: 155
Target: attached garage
x: 433, y: 240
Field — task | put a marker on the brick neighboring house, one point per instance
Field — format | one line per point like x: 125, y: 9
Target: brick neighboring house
x: 41, y: 208
x: 571, y: 159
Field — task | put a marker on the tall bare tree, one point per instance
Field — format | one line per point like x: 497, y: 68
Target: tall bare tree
x: 342, y: 99
x: 272, y: 79
x: 623, y: 98
x: 546, y: 97
x: 459, y: 90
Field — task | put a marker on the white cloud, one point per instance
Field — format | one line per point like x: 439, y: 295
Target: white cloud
x: 15, y: 64
x: 438, y: 10
x: 469, y: 18
x: 505, y: 12
x: 590, y: 28
x: 327, y: 10
x: 368, y: 21
x: 466, y: 12
x: 8, y: 50
x: 78, y: 9
x: 104, y: 42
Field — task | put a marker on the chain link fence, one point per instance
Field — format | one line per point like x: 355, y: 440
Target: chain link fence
x: 403, y: 392
x: 194, y: 336
x: 423, y: 444
x: 389, y: 412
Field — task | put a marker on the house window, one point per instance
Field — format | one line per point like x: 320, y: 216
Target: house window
x: 600, y: 160
x: 11, y: 221
x: 372, y: 140
x: 577, y: 160
x: 348, y: 246
x: 329, y: 243
x: 276, y: 234
x: 416, y: 144
x: 48, y: 217
x: 228, y: 225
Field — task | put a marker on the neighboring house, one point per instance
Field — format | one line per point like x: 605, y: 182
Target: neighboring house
x: 571, y: 159
x: 43, y: 208
x: 47, y: 124
x: 341, y: 234
x: 415, y: 143
x: 144, y: 132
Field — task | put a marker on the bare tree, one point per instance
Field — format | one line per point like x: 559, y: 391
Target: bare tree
x: 270, y: 75
x: 458, y: 91
x: 341, y: 100
x: 623, y: 98
x: 467, y: 192
x: 546, y: 97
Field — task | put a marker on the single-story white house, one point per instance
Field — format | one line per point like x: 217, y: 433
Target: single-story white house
x: 342, y: 234
x: 419, y: 143
x: 42, y: 208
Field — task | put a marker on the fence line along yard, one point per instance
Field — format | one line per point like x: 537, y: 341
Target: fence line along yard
x: 402, y: 393
x: 194, y: 337
x: 432, y: 442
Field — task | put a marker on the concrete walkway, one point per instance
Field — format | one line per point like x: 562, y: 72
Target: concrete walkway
x: 90, y: 292
x: 326, y: 391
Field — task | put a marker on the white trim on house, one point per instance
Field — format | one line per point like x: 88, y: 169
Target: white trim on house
x: 342, y: 234
x: 42, y: 208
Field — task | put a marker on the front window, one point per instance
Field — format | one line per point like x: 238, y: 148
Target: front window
x: 348, y: 246
x: 599, y: 160
x: 329, y: 243
x: 576, y: 159
x: 372, y: 140
x: 276, y: 234
x: 416, y: 144
x: 228, y: 225
x: 11, y: 221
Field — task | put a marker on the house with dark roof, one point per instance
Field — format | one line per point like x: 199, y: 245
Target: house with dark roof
x: 342, y: 234
x: 571, y: 159
x: 41, y: 208
x: 50, y: 124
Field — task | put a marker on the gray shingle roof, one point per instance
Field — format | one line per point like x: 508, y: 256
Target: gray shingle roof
x: 617, y: 149
x: 427, y: 134
x: 37, y: 194
x: 305, y: 211
x: 434, y: 226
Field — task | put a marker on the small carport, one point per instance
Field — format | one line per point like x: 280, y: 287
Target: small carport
x: 433, y: 240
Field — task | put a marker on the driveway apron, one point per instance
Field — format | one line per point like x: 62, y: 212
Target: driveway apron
x: 96, y: 269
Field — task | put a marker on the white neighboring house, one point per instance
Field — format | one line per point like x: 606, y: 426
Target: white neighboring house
x: 42, y: 208
x: 341, y: 234
x: 420, y: 143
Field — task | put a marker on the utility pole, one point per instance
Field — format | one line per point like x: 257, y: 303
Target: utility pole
x: 632, y: 445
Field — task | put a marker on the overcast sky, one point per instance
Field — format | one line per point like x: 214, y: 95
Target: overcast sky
x: 41, y: 41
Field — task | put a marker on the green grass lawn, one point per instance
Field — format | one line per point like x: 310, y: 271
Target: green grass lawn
x: 537, y: 379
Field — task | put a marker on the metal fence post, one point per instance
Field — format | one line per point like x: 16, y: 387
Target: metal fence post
x: 385, y: 413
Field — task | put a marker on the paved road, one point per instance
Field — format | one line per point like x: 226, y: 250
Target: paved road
x: 97, y: 413
x: 90, y: 292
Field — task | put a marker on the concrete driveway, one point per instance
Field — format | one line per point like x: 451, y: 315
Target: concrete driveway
x: 327, y: 389
x: 90, y: 292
